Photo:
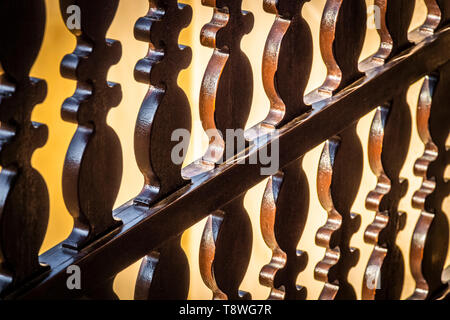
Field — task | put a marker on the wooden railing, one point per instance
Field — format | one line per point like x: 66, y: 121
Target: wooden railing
x: 105, y: 241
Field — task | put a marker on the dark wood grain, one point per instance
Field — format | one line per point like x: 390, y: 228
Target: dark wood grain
x: 389, y: 140
x: 225, y: 102
x: 340, y: 169
x: 388, y: 146
x: 342, y: 33
x: 24, y: 199
x: 283, y: 218
x: 338, y: 180
x: 147, y: 228
x: 434, y: 18
x: 394, y: 27
x: 93, y: 167
x: 444, y: 7
x: 156, y: 121
x: 164, y: 272
x: 429, y: 243
x: 225, y: 251
x: 437, y: 17
x: 287, y: 63
x: 105, y: 242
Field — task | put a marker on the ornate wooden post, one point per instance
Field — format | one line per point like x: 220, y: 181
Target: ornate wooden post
x: 225, y: 101
x: 388, y: 146
x: 24, y: 201
x: 429, y: 243
x: 164, y: 273
x: 287, y: 64
x: 93, y: 167
x: 342, y: 33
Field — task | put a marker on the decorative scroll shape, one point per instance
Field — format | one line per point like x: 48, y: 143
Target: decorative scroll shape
x: 283, y: 217
x: 444, y: 8
x: 164, y: 273
x: 225, y: 101
x: 287, y: 61
x: 340, y: 170
x: 395, y: 18
x: 429, y: 244
x: 225, y: 251
x: 342, y: 32
x: 93, y: 166
x: 24, y: 200
x: 388, y: 146
x: 438, y: 15
x: 287, y: 64
x: 337, y: 186
x: 434, y: 18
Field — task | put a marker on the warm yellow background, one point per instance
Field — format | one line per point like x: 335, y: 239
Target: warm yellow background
x: 49, y: 160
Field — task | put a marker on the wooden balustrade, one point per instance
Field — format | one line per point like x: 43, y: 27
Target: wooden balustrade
x: 388, y: 146
x: 105, y: 241
x: 164, y: 272
x: 24, y: 197
x: 93, y: 166
x: 225, y: 102
x: 285, y: 201
x: 337, y: 181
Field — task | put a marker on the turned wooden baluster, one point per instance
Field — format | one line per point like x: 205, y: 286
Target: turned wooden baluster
x: 429, y: 243
x: 342, y: 32
x: 93, y: 167
x: 395, y: 20
x: 340, y: 170
x: 428, y: 248
x: 24, y: 200
x: 225, y: 101
x: 287, y: 64
x: 389, y: 139
x: 438, y: 14
x: 164, y: 273
x: 444, y: 7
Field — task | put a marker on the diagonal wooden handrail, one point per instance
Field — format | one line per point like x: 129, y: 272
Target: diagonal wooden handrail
x: 144, y: 229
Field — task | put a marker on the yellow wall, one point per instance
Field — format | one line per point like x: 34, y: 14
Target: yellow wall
x: 49, y: 160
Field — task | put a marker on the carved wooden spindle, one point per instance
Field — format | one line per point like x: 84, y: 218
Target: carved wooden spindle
x: 438, y: 15
x: 340, y: 169
x: 287, y: 61
x: 287, y: 64
x: 444, y: 8
x: 93, y: 166
x: 337, y: 186
x: 433, y: 19
x: 389, y: 139
x: 395, y: 20
x: 342, y: 32
x: 429, y: 243
x: 164, y: 273
x: 225, y: 101
x: 24, y: 200
x: 283, y: 217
